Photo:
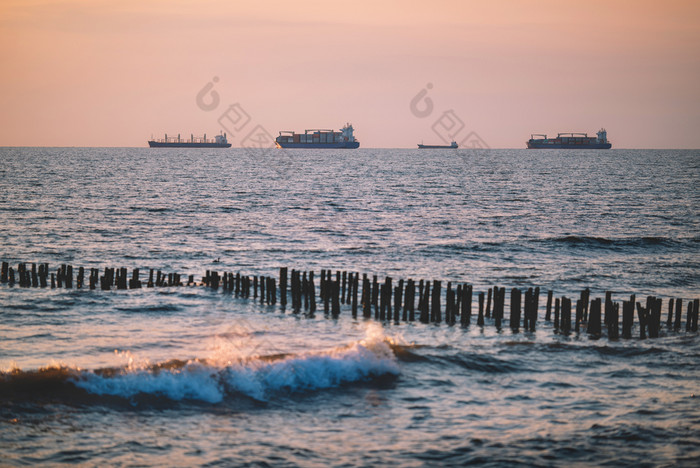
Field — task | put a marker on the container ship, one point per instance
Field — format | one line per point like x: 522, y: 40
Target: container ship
x: 219, y: 141
x: 318, y: 138
x: 571, y: 140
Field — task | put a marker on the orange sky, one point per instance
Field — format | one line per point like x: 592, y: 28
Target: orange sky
x: 112, y: 73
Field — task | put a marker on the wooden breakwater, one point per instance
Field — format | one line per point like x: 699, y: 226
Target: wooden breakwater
x: 426, y: 301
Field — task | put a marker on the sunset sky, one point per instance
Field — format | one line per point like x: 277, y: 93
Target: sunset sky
x: 113, y: 73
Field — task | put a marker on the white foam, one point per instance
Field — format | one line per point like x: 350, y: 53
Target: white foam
x: 255, y: 378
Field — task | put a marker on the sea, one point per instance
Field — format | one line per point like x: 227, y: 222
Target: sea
x: 192, y: 376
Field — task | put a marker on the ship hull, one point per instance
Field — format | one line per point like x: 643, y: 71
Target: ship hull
x: 537, y: 145
x: 160, y: 144
x: 338, y: 145
x: 437, y: 147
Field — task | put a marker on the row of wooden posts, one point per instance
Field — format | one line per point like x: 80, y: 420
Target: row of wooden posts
x: 393, y: 300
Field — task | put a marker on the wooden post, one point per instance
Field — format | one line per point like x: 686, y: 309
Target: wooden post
x: 435, y: 312
x: 614, y: 322
x: 342, y: 292
x: 548, y: 314
x: 499, y: 295
x: 466, y: 312
x: 669, y: 322
x: 585, y: 299
x: 594, y: 325
x: 375, y: 296
x: 488, y: 303
x: 261, y: 286
x: 336, y: 298
x: 398, y: 294
x: 366, y: 297
x: 312, y: 294
x: 627, y: 319
x: 449, y: 303
x: 283, y: 287
x: 4, y: 272
x: 689, y: 317
x: 411, y: 300
x: 480, y: 318
x: 43, y: 272
x: 556, y: 314
x: 565, y: 315
x: 679, y: 311
x: 526, y: 314
x: 579, y: 315
x: 515, y: 309
x: 696, y: 309
x: 534, y: 308
x: 424, y: 313
x: 135, y: 283
x: 355, y: 286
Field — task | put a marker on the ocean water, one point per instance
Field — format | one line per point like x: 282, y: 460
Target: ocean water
x: 192, y: 376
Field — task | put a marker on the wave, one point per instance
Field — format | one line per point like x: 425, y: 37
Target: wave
x: 259, y: 378
x: 594, y: 241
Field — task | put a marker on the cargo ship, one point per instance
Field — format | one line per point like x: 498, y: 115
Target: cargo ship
x: 571, y: 140
x: 451, y: 145
x: 318, y: 138
x: 219, y: 141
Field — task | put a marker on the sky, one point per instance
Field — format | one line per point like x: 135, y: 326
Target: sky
x: 115, y: 73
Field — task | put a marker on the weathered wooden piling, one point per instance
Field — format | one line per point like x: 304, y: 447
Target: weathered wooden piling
x: 466, y: 309
x: 398, y: 300
x: 679, y: 311
x: 627, y: 318
x: 343, y: 287
x: 366, y: 297
x: 435, y: 312
x: 480, y: 317
x: 499, y: 298
x: 488, y: 303
x: 565, y: 324
x: 4, y: 272
x: 43, y: 272
x: 614, y: 322
x: 411, y: 300
x: 355, y: 287
x: 312, y: 294
x: 425, y: 306
x: 515, y: 310
x: 594, y: 319
x: 335, y: 285
x: 548, y: 314
x: 579, y: 315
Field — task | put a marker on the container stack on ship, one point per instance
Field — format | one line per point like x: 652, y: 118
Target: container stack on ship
x: 318, y: 138
x: 571, y: 141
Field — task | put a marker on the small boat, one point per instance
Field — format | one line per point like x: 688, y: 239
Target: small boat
x: 450, y: 146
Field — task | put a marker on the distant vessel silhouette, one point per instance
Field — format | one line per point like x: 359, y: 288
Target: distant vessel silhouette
x: 219, y: 141
x: 570, y: 141
x: 451, y: 145
x: 318, y: 138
